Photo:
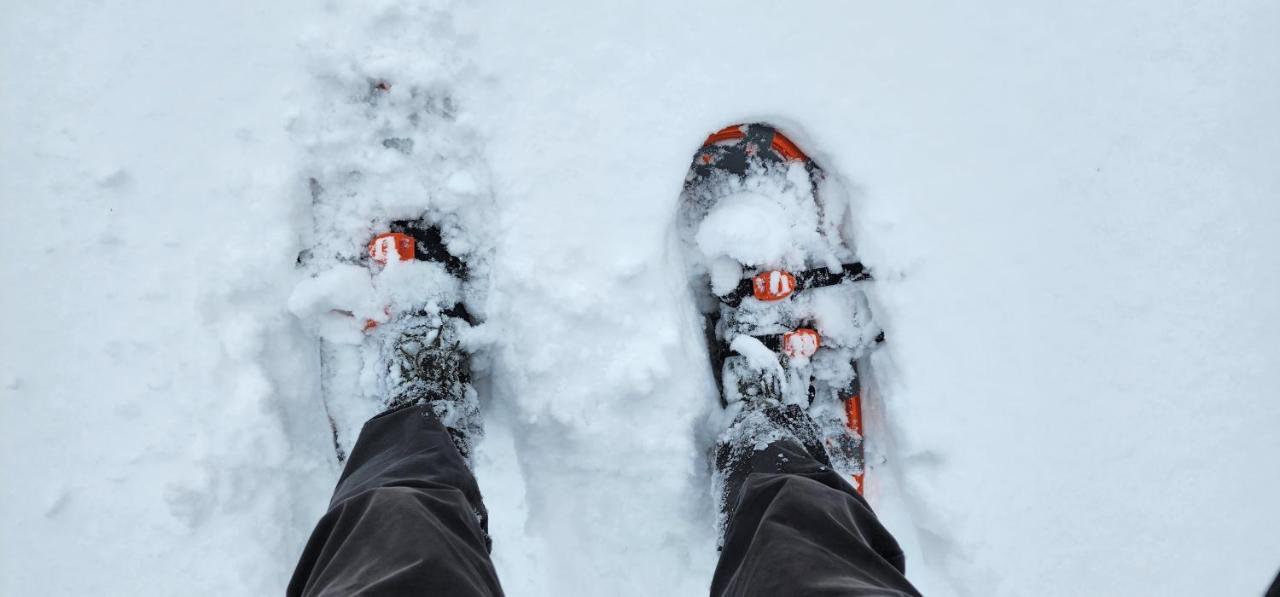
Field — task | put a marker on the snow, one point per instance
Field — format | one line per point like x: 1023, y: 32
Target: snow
x: 745, y: 227
x: 1069, y: 210
x: 767, y: 220
x: 756, y: 355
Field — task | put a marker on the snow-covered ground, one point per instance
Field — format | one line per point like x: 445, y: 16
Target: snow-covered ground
x: 1070, y: 209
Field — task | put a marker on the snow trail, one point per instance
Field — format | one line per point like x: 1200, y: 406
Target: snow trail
x: 155, y: 402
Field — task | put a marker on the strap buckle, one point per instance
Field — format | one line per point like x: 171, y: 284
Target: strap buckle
x: 801, y: 343
x: 392, y: 245
x: 773, y: 285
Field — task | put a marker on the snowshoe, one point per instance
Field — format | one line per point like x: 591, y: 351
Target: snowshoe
x: 776, y: 279
x: 398, y: 243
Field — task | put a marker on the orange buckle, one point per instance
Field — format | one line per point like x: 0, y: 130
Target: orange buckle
x: 801, y: 343
x: 773, y: 285
x: 392, y: 243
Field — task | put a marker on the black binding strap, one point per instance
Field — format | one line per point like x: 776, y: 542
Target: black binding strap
x: 431, y: 247
x: 774, y: 341
x: 814, y: 278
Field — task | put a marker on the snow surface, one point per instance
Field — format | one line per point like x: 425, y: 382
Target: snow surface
x: 1070, y: 209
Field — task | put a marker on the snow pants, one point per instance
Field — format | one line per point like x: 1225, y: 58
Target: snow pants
x: 406, y: 519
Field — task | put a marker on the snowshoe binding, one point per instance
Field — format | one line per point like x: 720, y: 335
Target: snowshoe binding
x: 395, y: 324
x: 422, y: 355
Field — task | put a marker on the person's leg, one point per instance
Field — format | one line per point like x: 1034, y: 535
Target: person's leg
x: 406, y: 518
x: 797, y: 528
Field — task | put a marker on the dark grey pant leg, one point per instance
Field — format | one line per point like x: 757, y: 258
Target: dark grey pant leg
x: 799, y: 529
x: 406, y: 518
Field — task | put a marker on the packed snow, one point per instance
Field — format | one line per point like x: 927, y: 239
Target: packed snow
x: 1069, y: 208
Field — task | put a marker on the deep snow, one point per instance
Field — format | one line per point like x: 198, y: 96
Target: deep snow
x: 1069, y: 208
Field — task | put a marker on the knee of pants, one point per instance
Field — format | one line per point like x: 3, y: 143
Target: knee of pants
x: 399, y: 498
x: 444, y: 509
